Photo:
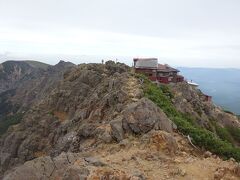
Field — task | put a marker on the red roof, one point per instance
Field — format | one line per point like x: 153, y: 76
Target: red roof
x: 166, y: 68
x: 145, y: 59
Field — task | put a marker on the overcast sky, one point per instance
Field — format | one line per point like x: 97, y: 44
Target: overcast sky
x: 200, y: 33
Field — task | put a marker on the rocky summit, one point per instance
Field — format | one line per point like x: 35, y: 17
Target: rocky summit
x: 103, y: 121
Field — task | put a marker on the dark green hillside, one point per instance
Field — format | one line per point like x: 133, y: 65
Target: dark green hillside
x: 8, y: 111
x: 5, y: 105
x: 8, y: 121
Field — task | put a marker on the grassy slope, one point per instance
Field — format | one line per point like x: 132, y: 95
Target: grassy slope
x: 186, y: 124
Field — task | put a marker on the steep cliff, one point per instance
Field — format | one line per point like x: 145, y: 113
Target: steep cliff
x: 26, y: 87
x: 13, y: 73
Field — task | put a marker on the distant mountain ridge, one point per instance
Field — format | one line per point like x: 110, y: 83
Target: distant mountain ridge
x: 12, y: 72
x: 222, y: 84
x: 24, y: 82
x: 37, y: 64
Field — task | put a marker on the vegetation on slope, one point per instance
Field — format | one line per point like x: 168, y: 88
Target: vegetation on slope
x: 235, y: 133
x: 201, y: 137
x: 5, y: 106
x: 8, y: 121
x: 223, y: 134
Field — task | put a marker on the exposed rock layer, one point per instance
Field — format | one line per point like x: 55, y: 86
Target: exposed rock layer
x: 92, y: 104
x: 75, y: 115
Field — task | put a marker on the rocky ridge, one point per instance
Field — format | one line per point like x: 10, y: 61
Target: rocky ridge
x: 95, y: 123
x: 86, y: 105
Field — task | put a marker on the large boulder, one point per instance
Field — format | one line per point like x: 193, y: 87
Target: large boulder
x: 40, y: 168
x: 142, y: 116
x: 117, y: 129
x: 46, y: 167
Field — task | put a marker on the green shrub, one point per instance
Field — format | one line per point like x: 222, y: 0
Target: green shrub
x: 6, y: 122
x: 235, y: 132
x: 223, y: 133
x: 166, y: 90
x: 188, y: 126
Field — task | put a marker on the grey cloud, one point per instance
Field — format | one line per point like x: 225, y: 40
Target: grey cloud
x: 213, y: 25
x: 152, y: 17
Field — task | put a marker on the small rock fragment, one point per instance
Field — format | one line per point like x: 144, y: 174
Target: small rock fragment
x: 207, y: 154
x: 94, y: 161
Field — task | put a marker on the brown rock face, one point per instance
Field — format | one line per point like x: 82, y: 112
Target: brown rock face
x: 22, y: 84
x: 12, y: 72
x: 92, y: 122
x: 142, y: 116
x: 91, y: 105
x: 117, y: 129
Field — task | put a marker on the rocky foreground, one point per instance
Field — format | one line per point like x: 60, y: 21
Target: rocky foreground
x: 95, y: 123
x: 155, y: 155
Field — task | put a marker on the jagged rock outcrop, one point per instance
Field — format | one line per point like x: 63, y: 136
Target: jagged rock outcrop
x: 81, y: 165
x: 93, y: 104
x: 92, y: 121
x: 190, y: 100
x: 142, y: 116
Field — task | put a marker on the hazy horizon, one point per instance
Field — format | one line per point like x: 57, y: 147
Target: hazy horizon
x: 188, y: 33
x: 98, y: 59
